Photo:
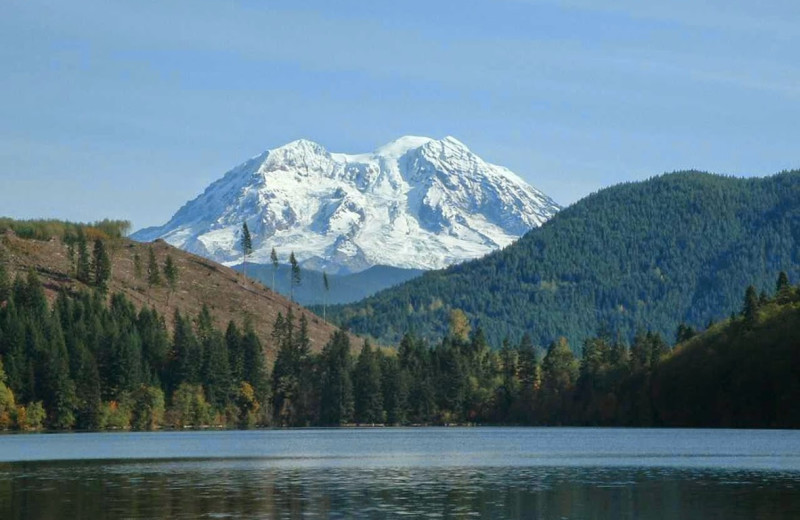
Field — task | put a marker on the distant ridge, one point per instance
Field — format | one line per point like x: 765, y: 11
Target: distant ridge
x: 652, y: 254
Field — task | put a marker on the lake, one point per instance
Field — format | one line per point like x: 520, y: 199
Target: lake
x: 515, y: 473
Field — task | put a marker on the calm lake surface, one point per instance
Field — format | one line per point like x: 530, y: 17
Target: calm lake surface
x: 515, y: 473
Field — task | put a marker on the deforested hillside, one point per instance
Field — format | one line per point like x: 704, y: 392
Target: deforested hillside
x: 228, y: 295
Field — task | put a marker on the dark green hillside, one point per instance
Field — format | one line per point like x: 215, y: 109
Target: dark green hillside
x: 675, y: 248
x: 742, y: 374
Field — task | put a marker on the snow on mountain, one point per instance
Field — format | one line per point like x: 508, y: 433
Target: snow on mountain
x: 415, y: 203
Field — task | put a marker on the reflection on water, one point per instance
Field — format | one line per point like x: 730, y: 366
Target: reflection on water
x: 248, y: 489
x: 331, y: 485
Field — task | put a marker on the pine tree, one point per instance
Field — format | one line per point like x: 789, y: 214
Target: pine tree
x: 5, y: 283
x: 233, y: 342
x: 750, y: 309
x: 295, y: 275
x: 171, y: 275
x: 185, y: 360
x: 254, y: 370
x: 782, y: 288
x: 394, y: 389
x: 101, y: 265
x: 286, y: 373
x: 137, y: 266
x: 247, y: 247
x: 559, y: 374
x: 368, y: 399
x: 528, y: 378
x: 783, y: 282
x: 273, y: 256
x: 658, y: 348
x: 54, y: 384
x: 325, y: 286
x: 509, y: 389
x: 216, y: 377
x: 89, y: 413
x: 83, y: 267
x: 306, y: 397
x: 153, y: 272
x: 156, y: 345
x: 336, y: 386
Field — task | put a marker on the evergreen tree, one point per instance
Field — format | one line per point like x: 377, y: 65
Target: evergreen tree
x: 153, y: 272
x: 782, y: 283
x: 254, y: 370
x: 273, y: 256
x: 83, y: 266
x: 101, y: 265
x: 156, y: 345
x: 137, y: 266
x: 5, y: 283
x: 216, y: 376
x: 451, y: 380
x: 171, y: 275
x: 307, y: 400
x: 528, y: 379
x: 185, y: 361
x: 233, y: 342
x: 89, y: 405
x: 658, y: 348
x: 326, y: 287
x: 751, y: 305
x: 53, y: 383
x: 285, y: 372
x: 415, y: 367
x: 394, y: 387
x: 640, y: 351
x: 295, y: 275
x: 783, y: 288
x: 247, y: 247
x: 336, y: 387
x: 559, y: 374
x: 509, y: 389
x: 368, y: 399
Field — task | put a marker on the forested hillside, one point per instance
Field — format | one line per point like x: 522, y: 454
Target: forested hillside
x: 62, y: 254
x: 91, y: 363
x: 674, y: 249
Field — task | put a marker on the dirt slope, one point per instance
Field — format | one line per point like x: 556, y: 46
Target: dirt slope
x: 227, y: 293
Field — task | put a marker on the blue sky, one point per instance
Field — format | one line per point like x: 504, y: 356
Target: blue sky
x: 127, y: 109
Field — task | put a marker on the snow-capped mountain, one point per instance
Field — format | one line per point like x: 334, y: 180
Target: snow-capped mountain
x: 415, y: 203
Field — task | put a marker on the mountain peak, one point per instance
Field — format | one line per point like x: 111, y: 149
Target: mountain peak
x: 428, y: 209
x: 300, y: 148
x: 400, y: 146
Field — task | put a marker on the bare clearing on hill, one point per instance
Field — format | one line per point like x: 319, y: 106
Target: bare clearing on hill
x: 227, y: 293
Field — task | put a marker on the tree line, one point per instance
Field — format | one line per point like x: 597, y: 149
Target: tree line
x: 91, y: 362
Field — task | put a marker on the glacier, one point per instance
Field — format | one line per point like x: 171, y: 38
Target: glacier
x: 416, y: 203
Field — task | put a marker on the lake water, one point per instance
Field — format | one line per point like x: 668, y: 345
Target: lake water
x: 582, y: 473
